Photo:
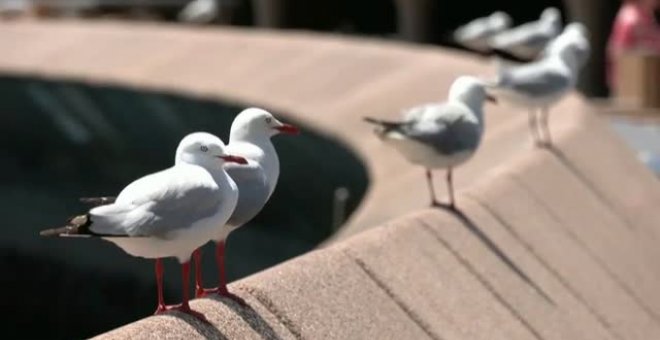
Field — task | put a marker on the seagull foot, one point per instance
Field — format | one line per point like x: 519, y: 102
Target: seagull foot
x: 222, y: 293
x: 202, y: 292
x: 162, y: 309
x: 183, y: 309
x: 445, y: 206
x: 539, y: 144
x: 543, y: 144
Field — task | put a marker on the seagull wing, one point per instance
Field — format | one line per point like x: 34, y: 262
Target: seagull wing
x: 157, y: 204
x: 199, y: 11
x: 535, y: 80
x: 253, y: 191
x: 475, y: 29
x: 448, y: 128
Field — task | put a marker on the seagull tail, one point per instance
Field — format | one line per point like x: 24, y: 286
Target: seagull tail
x: 76, y: 226
x: 97, y: 201
x: 388, y: 125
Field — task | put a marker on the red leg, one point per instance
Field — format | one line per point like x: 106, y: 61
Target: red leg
x: 220, y: 261
x: 185, y: 307
x: 159, y: 283
x: 199, y: 289
x: 222, y: 275
x: 220, y: 257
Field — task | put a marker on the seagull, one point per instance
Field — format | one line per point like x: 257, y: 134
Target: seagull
x: 476, y: 34
x: 249, y: 138
x: 540, y: 84
x: 528, y: 40
x: 440, y: 135
x: 168, y: 213
x: 199, y: 12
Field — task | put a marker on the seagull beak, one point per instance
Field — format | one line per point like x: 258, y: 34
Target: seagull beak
x: 287, y: 129
x: 491, y: 98
x: 233, y: 159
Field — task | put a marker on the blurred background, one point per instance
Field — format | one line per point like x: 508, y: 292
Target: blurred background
x: 61, y: 140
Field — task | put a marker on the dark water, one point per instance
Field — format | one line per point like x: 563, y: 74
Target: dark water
x: 63, y: 140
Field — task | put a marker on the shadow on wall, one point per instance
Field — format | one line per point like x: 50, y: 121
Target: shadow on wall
x: 64, y: 140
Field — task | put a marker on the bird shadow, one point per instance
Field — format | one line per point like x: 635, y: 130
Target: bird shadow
x: 256, y: 322
x: 600, y: 196
x: 202, y: 327
x: 470, y: 225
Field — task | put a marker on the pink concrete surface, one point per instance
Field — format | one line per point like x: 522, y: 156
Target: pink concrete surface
x: 553, y: 244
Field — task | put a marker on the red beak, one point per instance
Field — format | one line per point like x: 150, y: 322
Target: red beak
x: 288, y: 129
x: 234, y: 159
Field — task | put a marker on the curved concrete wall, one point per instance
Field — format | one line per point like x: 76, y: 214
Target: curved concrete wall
x: 550, y: 244
x: 556, y: 244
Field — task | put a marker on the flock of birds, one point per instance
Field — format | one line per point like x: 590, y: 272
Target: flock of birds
x: 213, y: 189
x: 445, y: 135
x: 172, y: 213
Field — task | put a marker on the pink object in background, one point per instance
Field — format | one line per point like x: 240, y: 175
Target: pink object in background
x: 635, y: 29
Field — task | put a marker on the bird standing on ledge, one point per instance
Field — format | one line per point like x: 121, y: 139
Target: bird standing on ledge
x: 250, y: 137
x: 169, y: 213
x: 440, y: 135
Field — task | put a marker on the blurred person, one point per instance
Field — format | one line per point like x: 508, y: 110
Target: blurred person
x: 636, y: 28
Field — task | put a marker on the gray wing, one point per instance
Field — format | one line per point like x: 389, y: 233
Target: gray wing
x: 416, y: 113
x: 475, y: 29
x: 160, y: 203
x: 534, y: 80
x: 253, y: 191
x: 447, y: 128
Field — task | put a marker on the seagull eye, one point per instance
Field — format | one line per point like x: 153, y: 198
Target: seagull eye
x: 268, y: 120
x: 204, y: 148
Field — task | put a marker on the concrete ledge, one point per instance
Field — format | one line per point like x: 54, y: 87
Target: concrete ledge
x: 551, y: 244
x: 536, y: 253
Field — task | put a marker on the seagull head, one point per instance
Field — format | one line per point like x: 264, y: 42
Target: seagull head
x: 551, y: 21
x: 205, y: 149
x: 499, y: 20
x: 258, y: 123
x: 572, y: 45
x: 470, y: 91
x: 551, y: 14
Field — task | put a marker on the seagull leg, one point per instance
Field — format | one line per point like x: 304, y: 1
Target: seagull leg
x: 450, y: 189
x: 159, y: 283
x: 429, y: 179
x: 222, y: 284
x: 184, y: 307
x: 545, y: 126
x: 199, y: 289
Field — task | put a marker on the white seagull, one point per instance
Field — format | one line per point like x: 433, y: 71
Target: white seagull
x: 538, y: 85
x: 528, y: 40
x: 440, y: 135
x: 476, y: 34
x: 200, y: 11
x: 250, y: 137
x: 169, y: 213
